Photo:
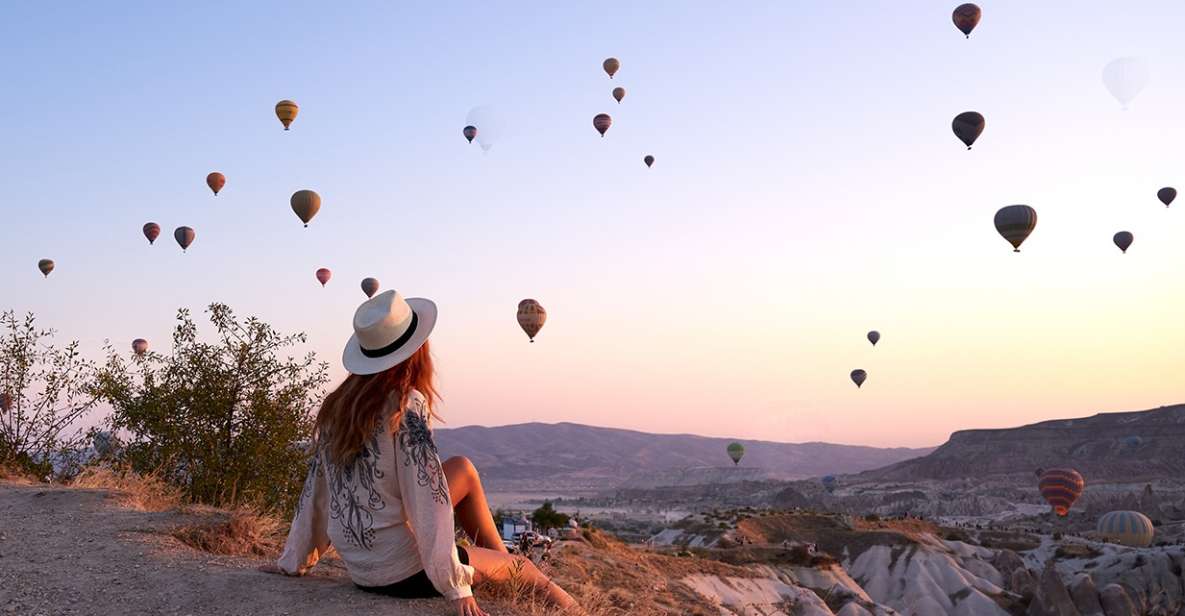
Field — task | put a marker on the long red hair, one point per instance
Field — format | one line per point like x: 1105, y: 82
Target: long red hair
x: 352, y: 412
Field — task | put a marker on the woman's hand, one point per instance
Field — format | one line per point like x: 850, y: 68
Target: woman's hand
x: 468, y: 607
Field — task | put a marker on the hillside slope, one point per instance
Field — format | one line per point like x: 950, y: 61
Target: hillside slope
x: 588, y: 456
x: 1128, y: 446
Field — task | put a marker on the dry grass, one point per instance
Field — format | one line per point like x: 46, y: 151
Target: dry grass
x: 133, y: 490
x: 245, y: 531
x: 15, y: 475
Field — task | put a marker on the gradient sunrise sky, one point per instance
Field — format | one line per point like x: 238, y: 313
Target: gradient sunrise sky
x: 807, y: 189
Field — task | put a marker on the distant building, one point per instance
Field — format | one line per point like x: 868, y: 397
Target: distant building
x: 513, y: 524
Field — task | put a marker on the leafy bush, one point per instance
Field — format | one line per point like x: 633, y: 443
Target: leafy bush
x: 224, y: 421
x: 44, y: 391
x: 547, y: 517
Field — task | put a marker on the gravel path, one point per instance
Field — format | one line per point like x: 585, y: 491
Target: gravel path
x: 74, y: 551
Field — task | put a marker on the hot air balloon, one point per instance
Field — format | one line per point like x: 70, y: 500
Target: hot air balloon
x: 830, y: 482
x: 649, y: 160
x: 470, y: 132
x: 370, y: 286
x: 151, y: 231
x: 184, y: 237
x: 602, y: 122
x: 215, y: 181
x: 286, y: 110
x: 1061, y: 487
x: 139, y: 346
x: 618, y: 94
x: 1130, y: 528
x: 5, y: 402
x: 874, y: 337
x: 323, y: 275
x: 46, y: 266
x: 611, y: 65
x: 966, y: 17
x: 531, y: 317
x: 1123, y: 240
x: 736, y: 451
x: 1015, y: 223
x: 492, y: 126
x: 305, y: 203
x: 858, y: 377
x: 1125, y: 78
x: 968, y: 126
x: 1166, y: 195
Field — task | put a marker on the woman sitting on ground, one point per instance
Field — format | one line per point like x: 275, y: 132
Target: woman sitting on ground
x: 376, y: 488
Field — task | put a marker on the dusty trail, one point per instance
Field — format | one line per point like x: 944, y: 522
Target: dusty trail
x: 75, y: 551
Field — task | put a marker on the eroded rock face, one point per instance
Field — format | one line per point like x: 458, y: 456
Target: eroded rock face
x: 1086, y: 596
x: 1051, y: 597
x: 1116, y: 601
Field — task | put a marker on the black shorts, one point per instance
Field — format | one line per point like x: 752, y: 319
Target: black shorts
x: 418, y: 586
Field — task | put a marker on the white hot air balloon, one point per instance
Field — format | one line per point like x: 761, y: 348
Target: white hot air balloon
x: 1125, y: 78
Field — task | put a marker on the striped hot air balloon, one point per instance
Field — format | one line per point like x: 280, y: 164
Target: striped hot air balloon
x: 1061, y: 487
x: 286, y: 111
x: 602, y: 122
x: 151, y: 232
x: 215, y: 181
x: 1130, y: 528
x: 531, y: 317
x: 1015, y: 223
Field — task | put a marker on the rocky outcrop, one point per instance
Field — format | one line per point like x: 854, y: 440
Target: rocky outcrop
x: 1086, y: 596
x: 1051, y: 597
x: 1116, y: 601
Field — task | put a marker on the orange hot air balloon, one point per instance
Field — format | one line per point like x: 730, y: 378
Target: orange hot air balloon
x: 286, y: 110
x: 611, y: 65
x: 649, y: 160
x: 531, y: 317
x: 215, y: 181
x: 602, y: 122
x: 46, y: 266
x: 184, y: 237
x: 370, y: 286
x: 139, y: 346
x: 151, y: 231
x: 1060, y: 487
x: 966, y: 17
x: 618, y: 94
x: 323, y: 275
x: 470, y: 132
x: 306, y: 204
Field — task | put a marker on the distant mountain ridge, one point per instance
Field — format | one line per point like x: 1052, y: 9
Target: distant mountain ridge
x: 1122, y: 447
x: 581, y: 456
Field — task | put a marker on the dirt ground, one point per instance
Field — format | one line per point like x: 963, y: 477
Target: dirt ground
x: 69, y: 551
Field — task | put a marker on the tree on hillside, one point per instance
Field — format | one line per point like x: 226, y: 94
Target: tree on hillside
x: 546, y: 517
x: 44, y: 391
x: 225, y: 420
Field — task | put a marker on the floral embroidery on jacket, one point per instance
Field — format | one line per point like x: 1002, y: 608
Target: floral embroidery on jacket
x: 309, y: 480
x: 356, y: 515
x: 415, y: 439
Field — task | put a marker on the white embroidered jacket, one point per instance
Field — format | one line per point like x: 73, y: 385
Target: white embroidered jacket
x: 389, y: 514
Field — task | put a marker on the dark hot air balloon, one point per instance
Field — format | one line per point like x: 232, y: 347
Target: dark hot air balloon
x: 611, y: 65
x: 1060, y: 487
x: 968, y: 126
x: 1015, y: 223
x: 151, y: 231
x: 858, y: 377
x: 216, y: 181
x: 323, y: 275
x: 370, y: 286
x: 184, y: 237
x: 1123, y: 240
x: 736, y: 451
x: 602, y: 122
x: 531, y: 317
x: 470, y: 132
x: 139, y: 346
x: 874, y: 337
x: 966, y: 17
x: 46, y: 266
x: 306, y: 204
x: 649, y: 160
x: 286, y: 110
x: 1166, y: 195
x: 618, y: 94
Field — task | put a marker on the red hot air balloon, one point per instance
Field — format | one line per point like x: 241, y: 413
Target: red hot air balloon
x: 215, y: 181
x: 370, y: 286
x: 184, y: 237
x: 139, y: 346
x: 1060, y: 487
x: 323, y: 275
x: 470, y: 132
x: 151, y: 231
x: 966, y: 17
x: 602, y: 122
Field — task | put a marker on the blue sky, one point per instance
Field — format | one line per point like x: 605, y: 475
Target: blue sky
x: 807, y: 188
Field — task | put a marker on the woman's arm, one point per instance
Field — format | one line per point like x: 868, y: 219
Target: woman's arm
x: 426, y: 501
x: 308, y: 538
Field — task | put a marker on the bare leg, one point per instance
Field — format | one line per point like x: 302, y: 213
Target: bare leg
x: 469, y: 502
x: 502, y: 567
